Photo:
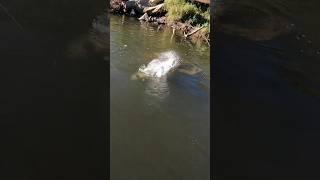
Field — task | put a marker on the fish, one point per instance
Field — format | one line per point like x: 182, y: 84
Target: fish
x: 162, y: 65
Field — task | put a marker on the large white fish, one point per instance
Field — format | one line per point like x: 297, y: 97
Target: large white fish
x: 160, y: 66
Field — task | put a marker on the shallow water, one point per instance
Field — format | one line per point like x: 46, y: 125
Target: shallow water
x: 160, y: 126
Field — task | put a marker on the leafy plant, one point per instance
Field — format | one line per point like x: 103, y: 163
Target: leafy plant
x: 182, y: 10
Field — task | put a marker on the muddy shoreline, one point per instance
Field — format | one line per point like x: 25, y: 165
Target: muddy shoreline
x: 155, y: 12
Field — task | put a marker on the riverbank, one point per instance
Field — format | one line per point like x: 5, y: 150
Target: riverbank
x: 190, y: 20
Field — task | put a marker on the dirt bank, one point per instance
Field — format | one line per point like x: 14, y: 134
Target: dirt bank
x: 186, y: 18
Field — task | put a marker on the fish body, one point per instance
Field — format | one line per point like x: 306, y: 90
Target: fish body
x: 160, y: 66
x: 165, y: 63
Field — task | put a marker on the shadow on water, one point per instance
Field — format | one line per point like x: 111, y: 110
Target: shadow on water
x: 53, y: 99
x: 266, y: 89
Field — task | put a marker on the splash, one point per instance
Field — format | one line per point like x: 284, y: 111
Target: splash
x: 162, y: 65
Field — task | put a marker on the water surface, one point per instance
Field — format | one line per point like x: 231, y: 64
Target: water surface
x: 159, y: 127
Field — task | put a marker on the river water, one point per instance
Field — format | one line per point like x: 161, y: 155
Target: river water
x: 159, y: 128
x: 54, y: 75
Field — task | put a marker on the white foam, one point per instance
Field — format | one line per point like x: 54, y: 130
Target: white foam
x: 162, y: 65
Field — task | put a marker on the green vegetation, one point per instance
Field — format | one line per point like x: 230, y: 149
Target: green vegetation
x: 179, y: 9
x: 182, y: 10
x: 191, y: 18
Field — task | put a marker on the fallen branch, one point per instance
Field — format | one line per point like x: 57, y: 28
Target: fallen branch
x: 203, y: 1
x: 192, y: 32
x: 207, y: 40
x: 154, y: 9
x: 144, y: 17
x: 155, y: 2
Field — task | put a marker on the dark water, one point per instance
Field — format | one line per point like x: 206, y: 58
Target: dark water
x: 266, y: 90
x: 54, y: 83
x: 159, y: 128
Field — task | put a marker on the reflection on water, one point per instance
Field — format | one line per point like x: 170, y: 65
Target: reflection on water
x: 156, y: 73
x: 157, y: 87
x: 159, y: 125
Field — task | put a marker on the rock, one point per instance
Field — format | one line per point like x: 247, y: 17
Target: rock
x: 134, y: 5
x: 144, y: 3
x: 117, y: 6
x: 161, y: 20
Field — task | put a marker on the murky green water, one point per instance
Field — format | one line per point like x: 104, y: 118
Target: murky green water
x: 159, y: 129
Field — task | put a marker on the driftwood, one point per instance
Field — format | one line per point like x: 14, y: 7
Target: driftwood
x: 203, y: 1
x: 192, y: 32
x: 158, y: 20
x: 154, y: 9
x: 155, y: 2
x: 144, y: 17
x: 207, y: 40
